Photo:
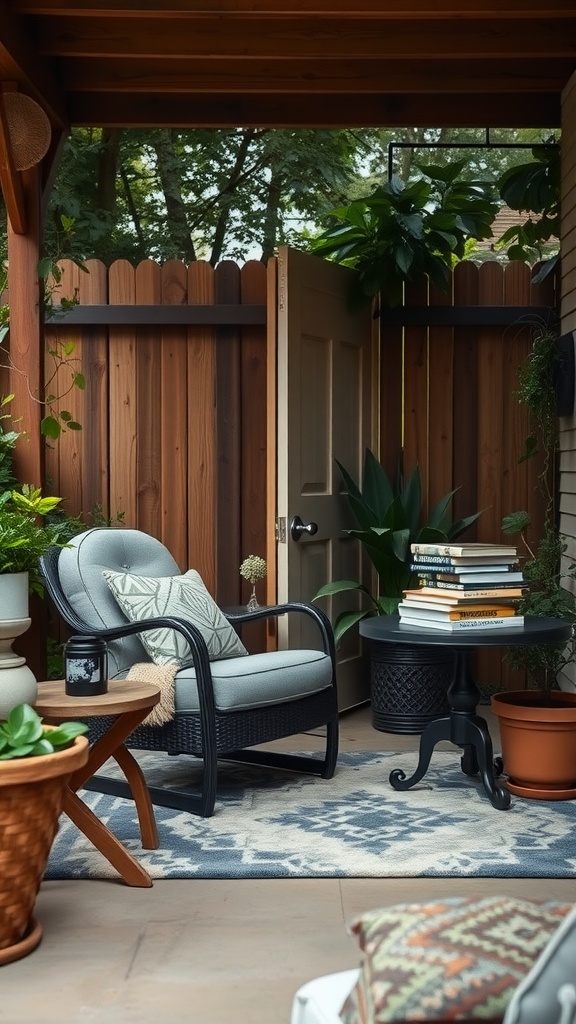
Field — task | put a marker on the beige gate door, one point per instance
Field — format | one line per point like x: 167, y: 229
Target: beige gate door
x: 325, y: 372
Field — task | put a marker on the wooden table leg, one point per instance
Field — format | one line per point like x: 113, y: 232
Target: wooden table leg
x: 110, y: 847
x: 111, y: 744
x: 141, y: 794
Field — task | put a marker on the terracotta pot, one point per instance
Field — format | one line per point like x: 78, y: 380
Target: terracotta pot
x: 31, y: 799
x: 538, y: 739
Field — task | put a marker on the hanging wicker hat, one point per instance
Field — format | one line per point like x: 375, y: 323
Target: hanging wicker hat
x: 29, y: 129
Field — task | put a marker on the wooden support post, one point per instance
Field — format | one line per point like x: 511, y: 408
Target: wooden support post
x: 26, y: 334
x: 27, y: 357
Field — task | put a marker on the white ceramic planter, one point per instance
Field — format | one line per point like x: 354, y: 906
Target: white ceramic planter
x: 17, y: 682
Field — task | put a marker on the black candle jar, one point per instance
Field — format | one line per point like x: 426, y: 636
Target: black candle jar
x: 85, y: 666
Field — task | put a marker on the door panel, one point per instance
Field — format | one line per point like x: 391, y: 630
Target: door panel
x: 324, y: 412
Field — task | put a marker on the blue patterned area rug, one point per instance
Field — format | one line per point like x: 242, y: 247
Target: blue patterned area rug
x: 275, y: 824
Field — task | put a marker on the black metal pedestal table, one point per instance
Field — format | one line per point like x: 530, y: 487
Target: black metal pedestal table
x: 463, y: 726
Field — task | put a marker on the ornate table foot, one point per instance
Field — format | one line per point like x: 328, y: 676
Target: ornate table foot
x: 437, y: 730
x: 473, y: 736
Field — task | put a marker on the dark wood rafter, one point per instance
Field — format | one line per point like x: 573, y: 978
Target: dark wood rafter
x: 111, y: 63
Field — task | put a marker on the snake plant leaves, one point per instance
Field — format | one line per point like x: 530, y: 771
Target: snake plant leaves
x: 389, y: 519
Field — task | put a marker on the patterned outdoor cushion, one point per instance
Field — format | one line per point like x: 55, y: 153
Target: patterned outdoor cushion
x: 183, y: 597
x: 548, y: 992
x: 454, y: 959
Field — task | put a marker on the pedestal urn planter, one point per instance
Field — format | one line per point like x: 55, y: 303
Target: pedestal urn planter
x: 17, y: 682
x: 538, y: 740
x: 31, y: 799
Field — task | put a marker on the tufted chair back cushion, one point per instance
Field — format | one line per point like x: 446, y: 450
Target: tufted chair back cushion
x: 80, y: 568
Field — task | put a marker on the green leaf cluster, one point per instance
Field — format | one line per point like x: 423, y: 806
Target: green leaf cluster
x: 24, y: 536
x: 403, y: 232
x: 22, y: 734
x: 545, y: 568
x: 389, y: 517
x: 534, y: 187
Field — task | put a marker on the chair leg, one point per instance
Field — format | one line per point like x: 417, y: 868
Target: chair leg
x: 201, y: 803
x: 308, y: 765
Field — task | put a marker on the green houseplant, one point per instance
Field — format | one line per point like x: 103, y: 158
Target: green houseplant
x: 36, y: 762
x: 389, y: 517
x: 406, y: 231
x: 24, y: 537
x: 538, y: 725
x: 408, y: 685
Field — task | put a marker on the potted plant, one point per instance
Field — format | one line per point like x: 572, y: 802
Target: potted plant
x: 538, y: 724
x: 409, y: 231
x: 408, y: 685
x: 36, y: 762
x: 24, y: 537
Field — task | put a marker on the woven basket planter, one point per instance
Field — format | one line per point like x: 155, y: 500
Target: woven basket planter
x: 31, y: 798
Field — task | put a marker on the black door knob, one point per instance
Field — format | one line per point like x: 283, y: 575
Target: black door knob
x: 297, y: 528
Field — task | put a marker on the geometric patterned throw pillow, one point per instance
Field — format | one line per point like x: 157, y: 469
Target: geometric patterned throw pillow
x: 184, y: 597
x: 458, y: 959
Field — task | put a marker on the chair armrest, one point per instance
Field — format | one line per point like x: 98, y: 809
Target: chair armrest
x: 298, y: 607
x: 191, y: 634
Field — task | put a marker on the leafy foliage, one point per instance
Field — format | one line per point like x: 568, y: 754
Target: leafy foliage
x: 405, y: 231
x: 22, y: 734
x: 543, y: 569
x: 24, y: 538
x: 534, y: 187
x: 56, y: 420
x: 389, y: 518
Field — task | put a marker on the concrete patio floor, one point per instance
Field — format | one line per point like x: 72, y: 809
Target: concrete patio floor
x: 211, y: 952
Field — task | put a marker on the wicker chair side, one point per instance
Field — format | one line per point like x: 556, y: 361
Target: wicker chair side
x: 234, y: 730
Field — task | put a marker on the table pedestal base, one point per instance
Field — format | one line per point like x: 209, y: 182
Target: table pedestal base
x: 465, y: 729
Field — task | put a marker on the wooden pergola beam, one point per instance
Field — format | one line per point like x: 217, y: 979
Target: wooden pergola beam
x: 10, y: 181
x: 381, y: 9
x: 339, y: 110
x: 19, y: 62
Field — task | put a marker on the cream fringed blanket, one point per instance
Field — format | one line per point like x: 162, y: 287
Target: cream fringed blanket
x: 163, y: 677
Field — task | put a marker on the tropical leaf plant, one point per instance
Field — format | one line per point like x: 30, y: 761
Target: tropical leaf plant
x: 403, y: 232
x: 389, y: 520
x: 534, y: 188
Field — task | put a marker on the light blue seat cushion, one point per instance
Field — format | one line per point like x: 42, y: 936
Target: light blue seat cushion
x: 257, y: 680
x: 253, y: 680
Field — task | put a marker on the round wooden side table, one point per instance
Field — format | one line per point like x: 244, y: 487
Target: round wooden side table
x: 127, y: 704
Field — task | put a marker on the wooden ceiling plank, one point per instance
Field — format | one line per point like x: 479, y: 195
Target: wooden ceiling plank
x: 20, y: 62
x: 297, y: 76
x: 317, y: 39
x: 10, y: 181
x: 503, y: 110
x: 382, y: 9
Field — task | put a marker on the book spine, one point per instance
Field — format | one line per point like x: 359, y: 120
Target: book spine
x: 501, y: 568
x: 419, y: 620
x: 423, y: 560
x: 412, y: 608
x: 471, y: 588
x: 458, y: 591
x: 503, y: 579
x: 460, y: 551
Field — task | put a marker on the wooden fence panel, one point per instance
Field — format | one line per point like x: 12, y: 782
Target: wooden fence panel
x: 176, y: 419
x: 441, y: 404
x: 148, y: 290
x: 174, y: 437
x: 173, y: 417
x: 202, y: 463
x: 123, y: 399
x: 461, y: 420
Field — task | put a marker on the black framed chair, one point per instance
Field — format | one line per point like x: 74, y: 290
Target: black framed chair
x: 224, y: 708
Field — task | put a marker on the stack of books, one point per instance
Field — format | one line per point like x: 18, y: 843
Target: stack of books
x: 464, y: 586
